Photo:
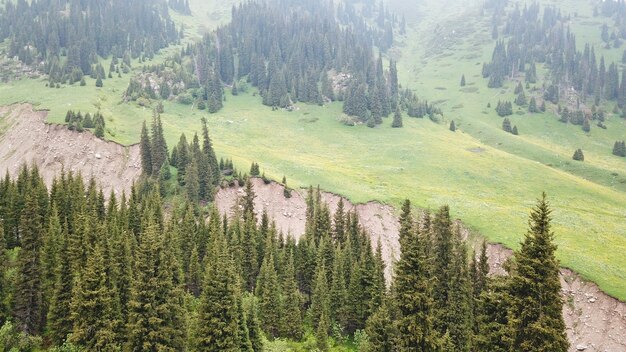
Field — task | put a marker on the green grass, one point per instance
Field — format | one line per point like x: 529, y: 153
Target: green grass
x: 491, y: 190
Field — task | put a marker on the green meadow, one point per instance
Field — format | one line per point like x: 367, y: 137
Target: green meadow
x: 489, y: 178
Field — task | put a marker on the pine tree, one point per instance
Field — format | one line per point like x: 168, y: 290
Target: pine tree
x: 159, y: 146
x: 536, y: 304
x: 338, y: 291
x: 268, y: 292
x: 532, y: 106
x: 207, y: 149
x: 28, y: 290
x: 321, y: 333
x: 413, y: 292
x: 146, y: 150
x: 619, y: 148
x: 578, y: 155
x: 586, y: 125
x: 463, y: 81
x: 4, y: 314
x: 514, y: 131
x: 320, y: 303
x: 292, y: 316
x: 397, y: 118
x: 192, y: 182
x: 218, y: 319
x: 506, y: 125
x: 452, y: 126
x: 91, y: 307
x: 380, y: 330
x: 59, y: 322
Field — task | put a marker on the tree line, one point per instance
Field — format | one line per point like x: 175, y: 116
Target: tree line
x: 531, y: 36
x: 85, y: 274
x: 66, y: 38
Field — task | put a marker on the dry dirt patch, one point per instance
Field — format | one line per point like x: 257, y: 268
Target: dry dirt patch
x: 27, y: 138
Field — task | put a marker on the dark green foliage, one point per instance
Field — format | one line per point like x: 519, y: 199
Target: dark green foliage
x: 218, y: 317
x: 413, y: 291
x: 514, y: 131
x: 397, y: 118
x: 506, y: 125
x: 619, y: 148
x: 92, y: 308
x: 463, y: 81
x: 586, y: 125
x: 504, y: 108
x: 452, y: 126
x: 28, y: 291
x: 4, y: 313
x: 146, y: 150
x: 158, y: 147
x: 254, y: 169
x: 578, y: 155
x: 268, y: 291
x: 536, y: 304
x: 99, y: 83
x: 532, y: 106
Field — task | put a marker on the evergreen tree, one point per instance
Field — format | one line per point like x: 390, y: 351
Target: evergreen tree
x: 536, y: 303
x: 4, y: 314
x: 28, y: 290
x: 380, y: 330
x: 159, y: 146
x: 218, y: 319
x: 578, y: 155
x: 463, y: 81
x: 91, y: 307
x: 320, y: 301
x: 292, y: 316
x: 532, y: 106
x: 506, y: 125
x: 192, y: 182
x: 514, y: 130
x: 452, y: 126
x: 413, y: 292
x: 268, y: 293
x: 59, y: 322
x: 146, y: 150
x: 586, y: 125
x: 397, y: 118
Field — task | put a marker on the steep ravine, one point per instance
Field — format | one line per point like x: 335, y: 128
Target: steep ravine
x: 595, y: 321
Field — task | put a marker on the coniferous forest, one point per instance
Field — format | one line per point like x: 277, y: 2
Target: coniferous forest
x: 85, y: 272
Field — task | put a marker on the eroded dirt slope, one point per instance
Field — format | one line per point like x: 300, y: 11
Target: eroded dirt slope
x: 27, y: 138
x: 595, y: 321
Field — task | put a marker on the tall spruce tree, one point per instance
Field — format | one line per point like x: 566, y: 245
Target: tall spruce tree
x: 536, y: 303
x: 413, y: 291
x: 145, y: 145
x: 28, y: 291
x: 268, y: 292
x: 92, y: 306
x: 218, y: 316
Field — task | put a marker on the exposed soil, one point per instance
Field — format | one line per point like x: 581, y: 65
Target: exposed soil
x: 27, y: 138
x: 595, y: 321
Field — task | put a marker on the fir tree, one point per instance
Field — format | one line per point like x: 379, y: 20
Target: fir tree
x: 463, y: 81
x: 28, y: 291
x: 218, y: 319
x: 506, y: 125
x: 397, y: 118
x: 268, y: 293
x: 452, y: 126
x: 320, y: 303
x: 413, y: 292
x: 536, y: 303
x: 91, y: 307
x: 578, y: 155
x: 146, y: 150
x: 292, y: 316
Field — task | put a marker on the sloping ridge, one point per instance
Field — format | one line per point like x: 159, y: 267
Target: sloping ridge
x: 595, y: 321
x: 27, y: 138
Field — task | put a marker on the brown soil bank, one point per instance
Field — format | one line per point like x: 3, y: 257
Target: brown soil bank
x: 27, y: 138
x: 595, y: 321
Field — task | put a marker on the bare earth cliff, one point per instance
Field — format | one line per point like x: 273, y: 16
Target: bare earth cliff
x: 27, y: 138
x: 595, y: 321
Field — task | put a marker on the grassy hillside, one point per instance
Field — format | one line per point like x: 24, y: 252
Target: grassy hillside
x: 488, y: 177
